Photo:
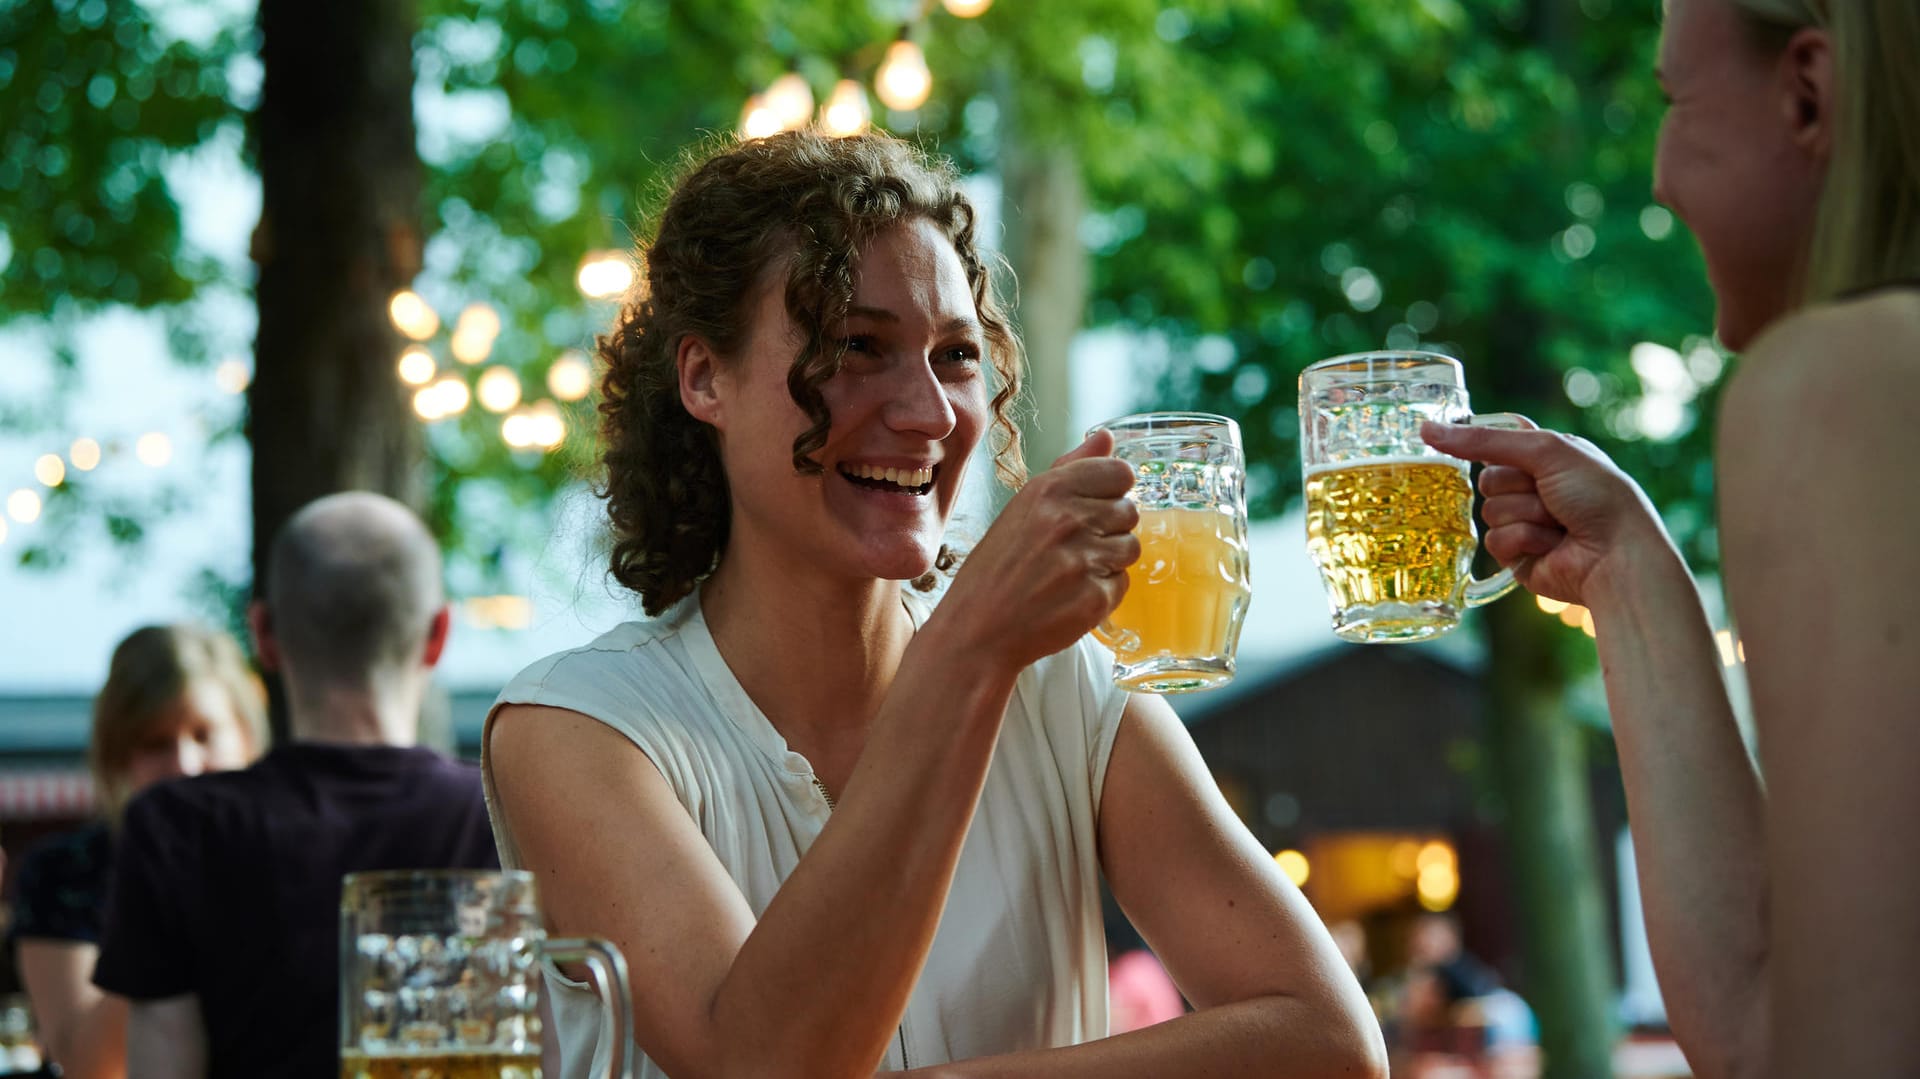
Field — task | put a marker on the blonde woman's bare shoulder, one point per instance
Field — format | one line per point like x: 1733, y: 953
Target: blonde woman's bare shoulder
x: 1831, y: 367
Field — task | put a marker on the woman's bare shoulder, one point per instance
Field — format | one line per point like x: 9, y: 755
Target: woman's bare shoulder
x: 1843, y: 367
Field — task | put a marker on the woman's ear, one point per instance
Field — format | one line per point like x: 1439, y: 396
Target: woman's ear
x: 1806, y: 69
x: 700, y: 380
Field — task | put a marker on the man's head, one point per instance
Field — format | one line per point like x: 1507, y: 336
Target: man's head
x: 353, y: 596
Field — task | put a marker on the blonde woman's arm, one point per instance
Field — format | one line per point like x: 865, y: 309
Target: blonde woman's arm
x: 83, y: 1029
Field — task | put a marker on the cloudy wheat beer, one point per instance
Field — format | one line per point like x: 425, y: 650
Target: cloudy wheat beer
x: 1178, y: 627
x: 1392, y: 532
x: 440, y: 1064
x: 1390, y: 519
x: 1187, y: 594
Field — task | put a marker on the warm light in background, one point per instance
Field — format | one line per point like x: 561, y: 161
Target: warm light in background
x: 50, y: 470
x: 412, y: 315
x: 1551, y: 606
x: 447, y: 397
x: 903, y: 81
x: 474, y: 333
x: 539, y: 426
x: 416, y: 366
x: 788, y: 101
x: 154, y: 449
x: 571, y: 377
x: 967, y: 9
x: 1405, y: 858
x: 23, y: 505
x: 497, y: 612
x: 757, y: 121
x: 604, y: 274
x: 1439, y: 881
x: 499, y: 389
x: 1294, y: 865
x: 233, y: 376
x: 85, y: 454
x: 846, y: 112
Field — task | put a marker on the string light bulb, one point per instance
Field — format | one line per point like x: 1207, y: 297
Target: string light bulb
x: 412, y: 315
x: 846, y: 112
x: 790, y: 100
x: 967, y: 9
x: 757, y: 121
x: 499, y: 389
x: 604, y: 275
x: 903, y: 81
x: 85, y: 454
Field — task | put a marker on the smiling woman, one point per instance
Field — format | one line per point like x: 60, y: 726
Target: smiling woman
x: 831, y: 828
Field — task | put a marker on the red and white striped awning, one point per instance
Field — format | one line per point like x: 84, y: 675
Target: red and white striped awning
x: 44, y: 793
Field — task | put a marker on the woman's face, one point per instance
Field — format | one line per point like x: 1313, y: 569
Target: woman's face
x: 1731, y: 165
x: 908, y: 406
x: 199, y: 731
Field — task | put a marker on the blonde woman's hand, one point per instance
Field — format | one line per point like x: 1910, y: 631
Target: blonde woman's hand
x: 1054, y: 563
x: 1557, y: 509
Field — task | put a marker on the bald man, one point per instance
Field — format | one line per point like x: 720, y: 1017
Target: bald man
x: 223, y: 916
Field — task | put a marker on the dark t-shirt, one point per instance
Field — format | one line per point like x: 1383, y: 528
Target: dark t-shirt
x: 62, y: 887
x: 227, y: 886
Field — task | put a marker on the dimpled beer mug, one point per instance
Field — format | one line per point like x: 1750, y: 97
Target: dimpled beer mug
x: 1389, y: 518
x: 440, y: 976
x: 1179, y: 624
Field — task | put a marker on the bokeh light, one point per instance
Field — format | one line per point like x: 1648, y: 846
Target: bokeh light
x: 154, y: 449
x: 571, y: 377
x: 412, y: 315
x: 85, y: 454
x: 50, y: 470
x: 499, y: 389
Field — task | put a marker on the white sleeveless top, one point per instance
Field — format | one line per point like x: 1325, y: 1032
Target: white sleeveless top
x: 1019, y: 960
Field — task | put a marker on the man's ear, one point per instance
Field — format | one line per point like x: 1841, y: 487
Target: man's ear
x: 260, y: 627
x: 701, y: 379
x: 437, y: 636
x: 1806, y: 75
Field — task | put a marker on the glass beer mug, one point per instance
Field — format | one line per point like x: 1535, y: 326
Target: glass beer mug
x: 1179, y: 625
x: 1389, y: 518
x: 440, y: 976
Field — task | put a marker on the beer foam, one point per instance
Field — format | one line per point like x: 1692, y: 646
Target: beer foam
x: 1393, y: 459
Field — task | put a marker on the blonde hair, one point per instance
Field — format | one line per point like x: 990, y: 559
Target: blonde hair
x: 150, y: 669
x: 1867, y: 230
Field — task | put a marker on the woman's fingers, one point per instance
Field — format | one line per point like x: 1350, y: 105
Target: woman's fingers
x: 1498, y: 480
x: 1501, y: 510
x: 1510, y: 543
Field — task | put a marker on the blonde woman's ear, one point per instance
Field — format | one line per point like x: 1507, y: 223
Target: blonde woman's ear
x: 1807, y: 74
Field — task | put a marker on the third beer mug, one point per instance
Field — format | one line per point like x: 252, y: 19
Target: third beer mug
x: 1178, y: 626
x: 1389, y: 518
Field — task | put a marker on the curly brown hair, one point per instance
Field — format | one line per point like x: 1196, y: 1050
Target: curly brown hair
x: 739, y: 212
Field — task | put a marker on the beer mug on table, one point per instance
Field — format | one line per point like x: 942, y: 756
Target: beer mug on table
x: 1179, y: 624
x: 1389, y: 518
x: 440, y: 976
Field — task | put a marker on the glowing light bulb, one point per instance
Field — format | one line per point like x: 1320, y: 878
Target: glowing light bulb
x: 967, y: 9
x: 154, y: 449
x: 499, y: 389
x: 50, y: 470
x: 757, y: 120
x: 903, y: 81
x: 85, y: 454
x: 846, y: 112
x: 416, y: 366
x: 604, y: 274
x: 412, y: 315
x: 571, y: 377
x: 790, y: 100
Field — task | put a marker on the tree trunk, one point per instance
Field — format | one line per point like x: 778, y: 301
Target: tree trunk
x: 1539, y: 756
x: 339, y: 234
x: 1043, y: 199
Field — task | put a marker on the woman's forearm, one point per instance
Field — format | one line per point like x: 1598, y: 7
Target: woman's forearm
x: 1263, y: 1037
x: 820, y: 984
x: 1696, y: 806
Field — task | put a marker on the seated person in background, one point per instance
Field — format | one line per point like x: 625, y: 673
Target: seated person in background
x: 179, y: 700
x: 224, y: 911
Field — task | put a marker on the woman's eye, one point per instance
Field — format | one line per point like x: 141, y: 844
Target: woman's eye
x: 858, y: 343
x: 962, y: 354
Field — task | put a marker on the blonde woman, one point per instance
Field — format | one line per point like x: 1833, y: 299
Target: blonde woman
x: 179, y: 700
x: 1784, y: 919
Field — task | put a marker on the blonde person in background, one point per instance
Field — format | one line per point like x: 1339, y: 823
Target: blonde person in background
x: 1784, y: 917
x: 179, y: 700
x: 832, y: 827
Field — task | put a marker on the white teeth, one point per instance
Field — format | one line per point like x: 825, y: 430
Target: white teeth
x: 902, y: 477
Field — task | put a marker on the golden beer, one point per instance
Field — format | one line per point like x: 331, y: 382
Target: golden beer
x: 1397, y: 532
x: 441, y: 1064
x: 1179, y: 624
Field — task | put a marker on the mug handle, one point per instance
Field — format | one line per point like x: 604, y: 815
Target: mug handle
x: 1482, y: 591
x: 616, y: 991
